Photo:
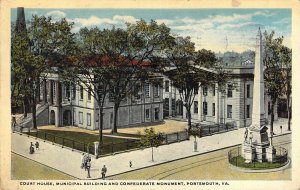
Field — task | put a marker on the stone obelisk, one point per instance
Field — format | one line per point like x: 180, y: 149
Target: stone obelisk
x: 256, y: 146
x: 258, y: 113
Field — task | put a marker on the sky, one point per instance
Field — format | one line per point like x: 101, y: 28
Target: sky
x: 219, y: 30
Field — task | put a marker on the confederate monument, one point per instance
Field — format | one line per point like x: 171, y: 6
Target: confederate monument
x: 256, y: 145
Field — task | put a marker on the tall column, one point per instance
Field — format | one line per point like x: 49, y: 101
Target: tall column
x: 258, y: 114
x: 44, y: 91
x: 51, y: 91
x: 200, y: 104
x: 217, y: 103
x: 170, y: 99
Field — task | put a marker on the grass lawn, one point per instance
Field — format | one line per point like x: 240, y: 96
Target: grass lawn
x: 21, y: 167
x: 81, y: 140
x: 240, y: 162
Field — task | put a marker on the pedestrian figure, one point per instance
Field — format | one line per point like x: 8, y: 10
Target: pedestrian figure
x: 83, y: 163
x: 130, y: 164
x: 88, y: 167
x: 31, y: 148
x: 103, y: 172
x: 37, y: 145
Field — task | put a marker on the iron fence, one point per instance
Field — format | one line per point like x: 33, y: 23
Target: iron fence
x: 235, y: 157
x: 208, y: 130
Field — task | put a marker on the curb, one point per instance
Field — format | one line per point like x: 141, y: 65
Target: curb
x: 261, y: 170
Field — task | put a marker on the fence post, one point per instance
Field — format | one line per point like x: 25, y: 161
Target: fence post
x: 45, y: 136
x: 53, y: 139
x: 63, y: 142
x: 167, y: 139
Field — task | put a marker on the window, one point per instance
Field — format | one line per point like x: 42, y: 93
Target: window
x: 80, y: 118
x: 147, y: 114
x: 196, y: 89
x: 74, y: 92
x: 89, y: 94
x: 67, y: 90
x: 147, y: 89
x: 156, y: 90
x: 229, y: 111
x: 136, y: 92
x: 229, y: 91
x: 88, y: 118
x: 213, y: 109
x: 204, y: 108
x: 248, y: 111
x: 204, y: 91
x: 195, y: 106
x: 248, y: 90
x: 156, y: 113
x: 167, y: 84
x: 214, y: 90
x: 81, y: 92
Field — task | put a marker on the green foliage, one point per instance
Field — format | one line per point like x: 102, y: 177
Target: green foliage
x: 150, y: 138
x: 194, y: 131
x: 277, y: 75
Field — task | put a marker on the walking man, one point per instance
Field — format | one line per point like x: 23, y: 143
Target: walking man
x: 37, y: 145
x: 103, y: 172
x: 31, y: 148
x: 88, y: 167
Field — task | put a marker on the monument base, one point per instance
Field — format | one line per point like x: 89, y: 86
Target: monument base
x: 248, y: 152
x: 270, y: 154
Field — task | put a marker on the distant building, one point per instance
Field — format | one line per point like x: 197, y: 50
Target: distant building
x: 74, y: 105
x: 212, y: 106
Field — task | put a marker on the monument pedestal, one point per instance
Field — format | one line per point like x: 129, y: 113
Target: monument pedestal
x: 248, y: 152
x: 270, y: 154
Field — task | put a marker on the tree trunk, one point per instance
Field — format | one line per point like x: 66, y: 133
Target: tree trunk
x: 189, y: 117
x: 272, y: 118
x: 152, y: 154
x: 115, y: 128
x: 289, y: 112
x: 101, y: 125
x: 34, y: 122
x: 25, y: 106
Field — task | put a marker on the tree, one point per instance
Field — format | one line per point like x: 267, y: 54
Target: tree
x: 195, y: 132
x: 286, y: 57
x: 188, y: 70
x: 273, y: 60
x: 127, y: 54
x: 151, y: 139
x: 32, y: 49
x: 89, y: 70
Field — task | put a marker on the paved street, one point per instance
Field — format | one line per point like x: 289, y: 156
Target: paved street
x: 208, y: 166
x: 69, y: 162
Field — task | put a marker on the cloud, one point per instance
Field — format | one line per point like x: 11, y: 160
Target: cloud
x: 129, y: 19
x: 93, y: 20
x: 56, y: 15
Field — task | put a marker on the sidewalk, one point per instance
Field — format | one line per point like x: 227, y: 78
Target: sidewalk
x: 69, y: 162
